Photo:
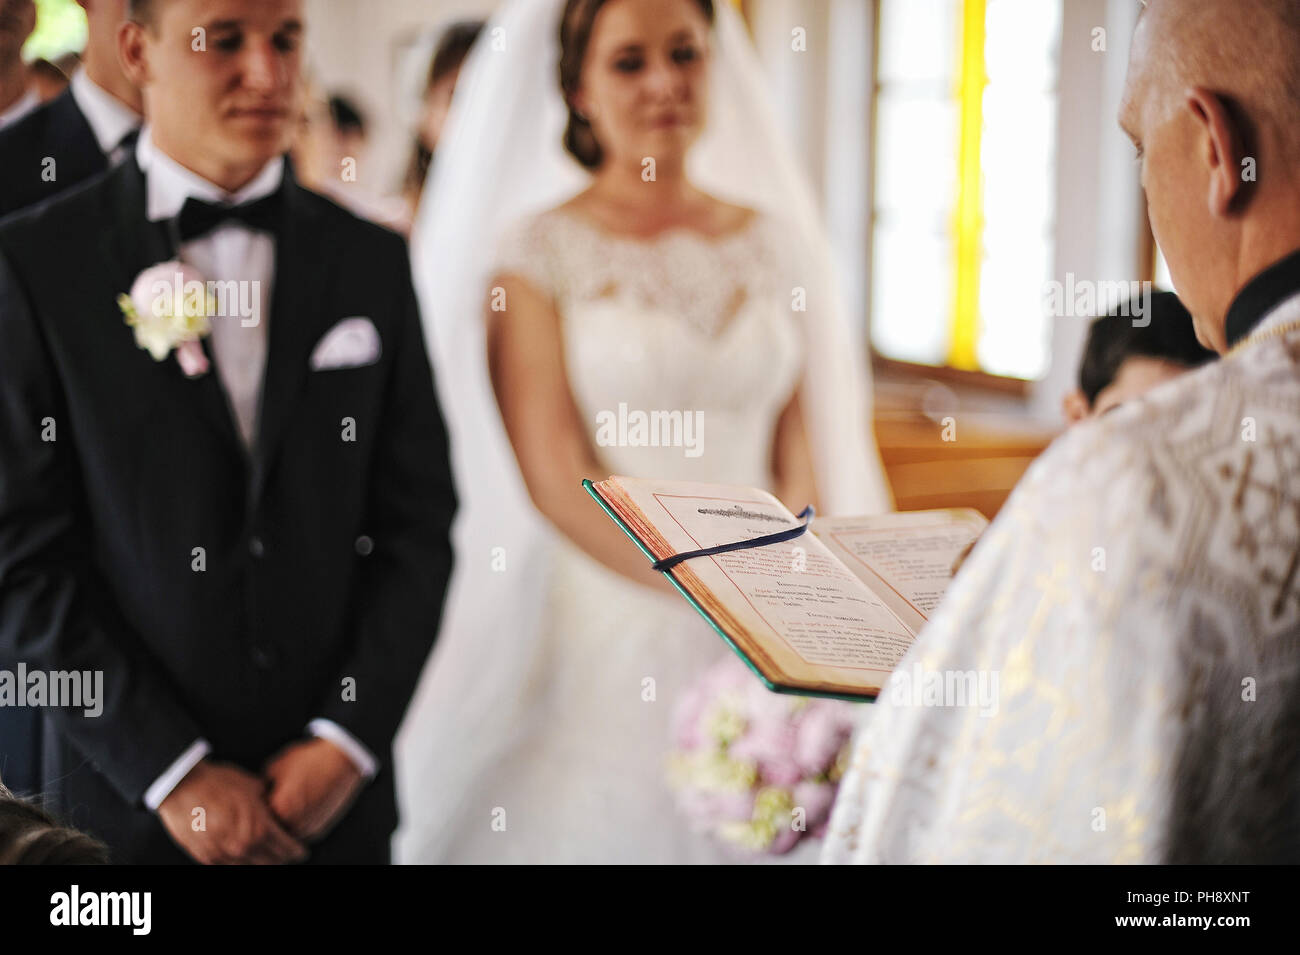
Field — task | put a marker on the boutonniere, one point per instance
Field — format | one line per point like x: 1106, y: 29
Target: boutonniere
x: 168, y: 308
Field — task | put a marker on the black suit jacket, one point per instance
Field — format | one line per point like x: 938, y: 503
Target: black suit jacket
x: 326, y: 559
x: 55, y: 130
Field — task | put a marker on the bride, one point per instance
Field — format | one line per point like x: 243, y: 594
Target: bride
x: 635, y: 270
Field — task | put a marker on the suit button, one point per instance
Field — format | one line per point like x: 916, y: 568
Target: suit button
x: 364, y: 545
x: 264, y: 656
x: 256, y: 547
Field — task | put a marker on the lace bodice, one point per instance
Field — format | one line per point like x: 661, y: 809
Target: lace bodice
x: 678, y: 324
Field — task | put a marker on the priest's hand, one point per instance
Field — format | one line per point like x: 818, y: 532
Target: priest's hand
x: 235, y: 826
x: 313, y: 783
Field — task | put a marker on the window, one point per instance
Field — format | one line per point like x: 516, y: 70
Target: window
x: 964, y: 183
x: 60, y: 29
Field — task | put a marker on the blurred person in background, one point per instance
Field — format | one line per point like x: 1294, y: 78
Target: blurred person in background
x: 48, y: 79
x: 329, y: 157
x: 1123, y: 361
x: 59, y: 144
x: 17, y: 96
x: 85, y: 129
x: 31, y: 836
x: 444, y: 70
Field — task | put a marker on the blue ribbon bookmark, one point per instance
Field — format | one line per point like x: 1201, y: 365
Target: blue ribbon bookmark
x: 806, y: 515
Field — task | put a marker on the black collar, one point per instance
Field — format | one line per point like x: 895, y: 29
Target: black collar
x: 1262, y: 294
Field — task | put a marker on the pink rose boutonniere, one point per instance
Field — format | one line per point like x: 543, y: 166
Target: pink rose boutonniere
x: 168, y: 308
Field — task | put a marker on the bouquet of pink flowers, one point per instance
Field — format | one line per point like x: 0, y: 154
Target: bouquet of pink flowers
x: 757, y: 770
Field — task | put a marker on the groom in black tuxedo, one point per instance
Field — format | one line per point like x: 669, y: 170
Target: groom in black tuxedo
x: 248, y: 539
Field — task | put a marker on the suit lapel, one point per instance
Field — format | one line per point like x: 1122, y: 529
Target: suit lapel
x: 298, y: 316
x: 131, y: 246
x: 74, y: 141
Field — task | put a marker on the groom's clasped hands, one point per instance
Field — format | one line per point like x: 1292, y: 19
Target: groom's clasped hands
x: 261, y: 820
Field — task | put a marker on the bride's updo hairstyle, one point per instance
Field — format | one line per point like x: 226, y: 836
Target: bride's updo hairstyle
x: 575, y: 34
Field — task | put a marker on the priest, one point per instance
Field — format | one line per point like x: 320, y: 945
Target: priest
x: 1138, y: 594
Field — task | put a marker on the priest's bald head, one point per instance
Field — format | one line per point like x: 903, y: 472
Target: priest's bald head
x: 1212, y: 104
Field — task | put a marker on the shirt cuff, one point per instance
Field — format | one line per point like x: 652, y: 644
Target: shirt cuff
x: 362, y: 757
x: 162, y: 786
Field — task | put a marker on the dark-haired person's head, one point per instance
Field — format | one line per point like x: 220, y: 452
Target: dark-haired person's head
x: 222, y: 80
x: 444, y: 70
x: 31, y: 836
x: 1123, y: 361
x: 346, y: 116
x: 449, y: 56
x: 635, y: 76
x: 348, y: 125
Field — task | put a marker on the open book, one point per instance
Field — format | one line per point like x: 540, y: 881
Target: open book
x: 829, y: 613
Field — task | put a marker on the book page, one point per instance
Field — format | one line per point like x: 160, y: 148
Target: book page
x: 906, y: 559
x: 812, y: 618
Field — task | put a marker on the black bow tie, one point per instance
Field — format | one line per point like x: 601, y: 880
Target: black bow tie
x: 127, y: 142
x: 199, y: 217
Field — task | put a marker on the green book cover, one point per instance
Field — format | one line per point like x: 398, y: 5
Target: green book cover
x: 774, y: 687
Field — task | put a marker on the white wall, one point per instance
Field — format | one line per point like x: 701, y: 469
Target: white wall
x: 822, y: 100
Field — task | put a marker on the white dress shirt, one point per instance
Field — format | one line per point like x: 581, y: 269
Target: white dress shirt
x: 109, y: 118
x: 232, y: 251
x: 21, y: 107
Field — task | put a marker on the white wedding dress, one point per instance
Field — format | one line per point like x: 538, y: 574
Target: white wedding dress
x: 547, y: 703
x: 680, y: 322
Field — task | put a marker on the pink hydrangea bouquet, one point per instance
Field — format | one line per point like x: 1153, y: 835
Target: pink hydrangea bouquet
x: 757, y: 770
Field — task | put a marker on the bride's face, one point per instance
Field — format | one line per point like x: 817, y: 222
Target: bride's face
x: 645, y: 78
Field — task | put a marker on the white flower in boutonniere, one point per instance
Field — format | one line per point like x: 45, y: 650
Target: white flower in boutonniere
x: 168, y: 308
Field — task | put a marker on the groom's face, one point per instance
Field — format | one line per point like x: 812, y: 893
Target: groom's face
x: 222, y: 80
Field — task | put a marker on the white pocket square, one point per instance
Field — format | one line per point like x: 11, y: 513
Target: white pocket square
x: 351, y: 343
